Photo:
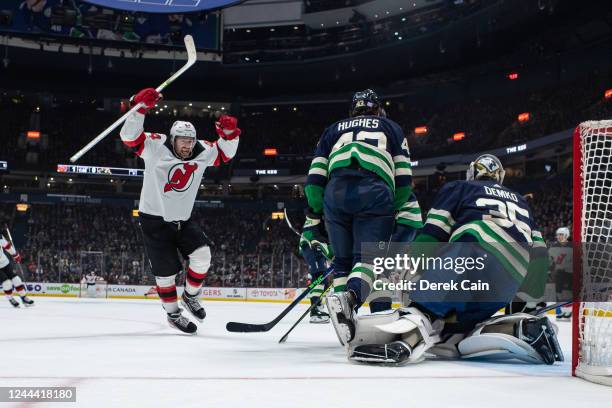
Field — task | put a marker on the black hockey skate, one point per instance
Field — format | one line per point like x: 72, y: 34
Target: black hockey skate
x: 27, y: 302
x: 540, y: 334
x: 341, y: 308
x: 318, y: 315
x: 178, y: 321
x: 13, y: 302
x: 564, y: 316
x: 193, y: 306
x: 394, y: 353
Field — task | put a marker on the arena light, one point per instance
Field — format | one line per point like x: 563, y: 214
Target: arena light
x: 279, y: 215
x: 608, y: 94
x: 513, y: 76
x: 420, y: 130
x: 459, y: 136
x: 135, y: 213
x: 22, y: 207
x: 524, y: 117
x: 33, y: 134
x: 270, y: 151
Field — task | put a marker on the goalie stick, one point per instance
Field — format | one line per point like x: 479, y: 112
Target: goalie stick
x: 264, y: 327
x: 192, y: 56
x: 284, y: 338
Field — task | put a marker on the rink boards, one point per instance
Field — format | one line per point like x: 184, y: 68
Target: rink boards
x: 280, y: 295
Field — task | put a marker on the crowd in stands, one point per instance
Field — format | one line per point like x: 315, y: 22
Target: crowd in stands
x: 355, y: 33
x: 62, y: 242
x: 487, y: 124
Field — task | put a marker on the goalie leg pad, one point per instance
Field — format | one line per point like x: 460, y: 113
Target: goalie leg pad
x: 414, y: 335
x: 532, y: 340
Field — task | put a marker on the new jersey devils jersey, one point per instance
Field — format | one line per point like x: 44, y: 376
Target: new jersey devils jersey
x: 171, y: 184
x: 8, y: 247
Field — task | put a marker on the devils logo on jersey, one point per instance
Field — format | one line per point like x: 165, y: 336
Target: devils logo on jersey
x: 180, y: 177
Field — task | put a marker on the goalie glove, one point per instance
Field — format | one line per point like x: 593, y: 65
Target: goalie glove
x: 314, y: 234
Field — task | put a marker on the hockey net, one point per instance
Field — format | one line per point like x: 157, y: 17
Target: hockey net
x: 592, y: 233
x: 99, y: 290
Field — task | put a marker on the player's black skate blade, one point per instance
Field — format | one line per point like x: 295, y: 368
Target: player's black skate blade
x: 14, y: 303
x: 318, y: 315
x: 27, y: 302
x: 180, y: 322
x: 395, y: 353
x: 193, y: 306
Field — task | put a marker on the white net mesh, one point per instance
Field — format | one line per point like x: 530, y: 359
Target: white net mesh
x: 595, y: 326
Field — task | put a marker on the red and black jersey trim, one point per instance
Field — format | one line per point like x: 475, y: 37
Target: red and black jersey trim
x: 220, y: 156
x: 137, y: 145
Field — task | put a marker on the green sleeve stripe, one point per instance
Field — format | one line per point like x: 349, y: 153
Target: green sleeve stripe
x: 314, y: 195
x: 440, y: 218
x: 318, y: 165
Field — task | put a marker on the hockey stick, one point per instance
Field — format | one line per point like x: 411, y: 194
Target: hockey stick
x: 291, y: 227
x: 192, y: 56
x: 551, y: 307
x: 284, y: 338
x: 264, y: 327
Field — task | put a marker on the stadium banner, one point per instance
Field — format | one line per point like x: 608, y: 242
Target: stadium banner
x: 53, y: 289
x: 165, y: 6
x: 272, y: 294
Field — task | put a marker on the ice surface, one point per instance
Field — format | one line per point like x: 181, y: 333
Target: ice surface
x: 121, y: 353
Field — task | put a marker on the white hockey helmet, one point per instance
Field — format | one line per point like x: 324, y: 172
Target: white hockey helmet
x: 563, y: 231
x: 182, y: 128
x: 486, y: 166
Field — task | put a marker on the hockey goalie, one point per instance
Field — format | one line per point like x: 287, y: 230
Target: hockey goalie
x: 490, y: 221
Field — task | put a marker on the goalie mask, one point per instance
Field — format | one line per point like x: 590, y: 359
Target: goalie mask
x: 486, y: 167
x: 182, y: 129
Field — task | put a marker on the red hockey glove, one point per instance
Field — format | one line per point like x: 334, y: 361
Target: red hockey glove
x: 148, y: 97
x: 227, y: 127
x: 17, y: 258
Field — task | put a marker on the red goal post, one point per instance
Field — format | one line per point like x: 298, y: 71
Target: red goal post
x: 592, y: 237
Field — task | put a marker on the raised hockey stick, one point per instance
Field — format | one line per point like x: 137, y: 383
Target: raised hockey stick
x: 284, y: 338
x: 291, y: 227
x: 264, y: 327
x: 192, y: 56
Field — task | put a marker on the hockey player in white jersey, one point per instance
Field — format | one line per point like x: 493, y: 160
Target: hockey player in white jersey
x: 174, y: 166
x: 90, y: 283
x: 561, y: 265
x: 10, y: 280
